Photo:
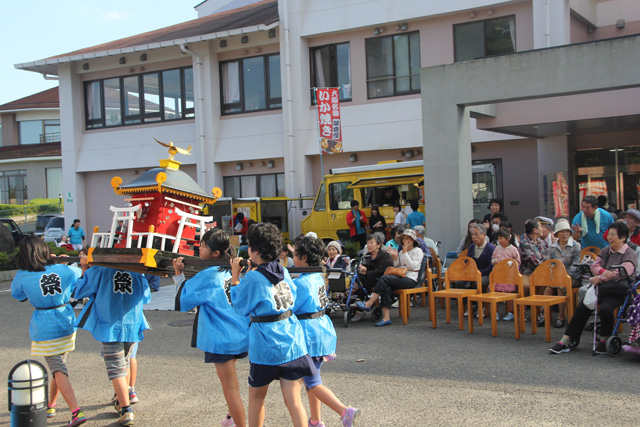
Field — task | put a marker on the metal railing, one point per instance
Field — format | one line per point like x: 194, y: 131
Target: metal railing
x: 25, y: 216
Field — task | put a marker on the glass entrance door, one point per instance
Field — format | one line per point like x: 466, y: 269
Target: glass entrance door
x: 610, y: 172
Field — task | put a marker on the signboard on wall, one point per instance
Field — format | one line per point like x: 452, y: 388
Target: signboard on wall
x: 329, y: 121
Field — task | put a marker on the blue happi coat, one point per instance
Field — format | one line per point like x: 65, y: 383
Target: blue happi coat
x: 46, y: 289
x: 311, y: 297
x: 114, y: 312
x: 219, y: 329
x: 271, y: 343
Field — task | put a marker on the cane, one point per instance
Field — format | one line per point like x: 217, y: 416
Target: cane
x: 595, y: 324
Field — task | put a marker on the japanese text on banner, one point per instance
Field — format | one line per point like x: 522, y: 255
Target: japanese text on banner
x: 329, y: 124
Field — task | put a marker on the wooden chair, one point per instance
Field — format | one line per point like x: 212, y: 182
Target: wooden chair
x: 549, y: 273
x: 590, y: 251
x: 504, y: 272
x: 463, y: 269
x: 424, y: 280
x: 437, y: 278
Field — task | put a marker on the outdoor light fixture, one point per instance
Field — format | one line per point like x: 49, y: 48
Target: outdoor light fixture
x: 272, y: 33
x: 239, y: 166
x: 378, y: 30
x: 143, y: 57
x: 123, y: 60
x: 85, y: 66
x: 271, y: 164
x: 409, y: 154
x: 473, y: 15
x: 28, y: 386
x: 244, y: 39
x: 404, y: 27
x: 223, y: 43
x: 353, y: 158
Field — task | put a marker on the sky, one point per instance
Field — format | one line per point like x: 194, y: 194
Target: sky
x: 37, y: 29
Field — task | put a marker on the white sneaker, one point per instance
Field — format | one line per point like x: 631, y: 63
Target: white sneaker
x: 358, y: 316
x: 508, y: 317
x: 395, y: 304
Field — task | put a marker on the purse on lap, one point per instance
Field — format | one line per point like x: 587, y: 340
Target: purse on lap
x: 395, y: 271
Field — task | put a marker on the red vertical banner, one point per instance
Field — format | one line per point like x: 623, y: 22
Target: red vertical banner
x: 329, y: 123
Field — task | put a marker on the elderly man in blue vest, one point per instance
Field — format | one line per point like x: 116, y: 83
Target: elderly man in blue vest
x: 591, y: 223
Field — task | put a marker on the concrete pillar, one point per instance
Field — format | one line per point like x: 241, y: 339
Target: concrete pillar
x: 10, y: 134
x: 551, y: 23
x: 553, y: 158
x: 294, y: 66
x: 71, y: 128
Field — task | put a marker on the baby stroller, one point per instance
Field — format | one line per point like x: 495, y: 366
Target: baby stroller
x: 343, y: 285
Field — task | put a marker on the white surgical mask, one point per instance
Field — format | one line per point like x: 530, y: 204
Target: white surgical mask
x: 495, y: 227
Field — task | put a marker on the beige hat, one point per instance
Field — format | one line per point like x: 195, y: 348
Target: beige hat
x: 336, y: 245
x: 411, y: 234
x: 562, y: 225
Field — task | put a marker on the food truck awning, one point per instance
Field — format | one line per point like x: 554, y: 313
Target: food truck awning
x: 383, y: 181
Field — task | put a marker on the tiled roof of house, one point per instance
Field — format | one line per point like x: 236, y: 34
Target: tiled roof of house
x: 46, y: 99
x: 34, y: 150
x: 265, y: 12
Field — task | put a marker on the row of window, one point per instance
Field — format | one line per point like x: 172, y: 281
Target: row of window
x: 254, y: 84
x: 268, y: 185
x: 13, y: 185
x: 38, y: 131
x: 143, y: 98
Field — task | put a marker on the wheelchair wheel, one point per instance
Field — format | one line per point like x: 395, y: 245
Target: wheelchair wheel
x: 376, y: 314
x: 328, y: 310
x: 614, y: 345
x: 348, y: 314
x: 574, y: 343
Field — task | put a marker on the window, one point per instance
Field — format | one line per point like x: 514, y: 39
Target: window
x: 268, y: 185
x: 340, y: 196
x: 393, y: 65
x: 321, y: 202
x: 13, y: 187
x: 39, y: 131
x: 143, y: 98
x: 484, y: 38
x: 330, y: 68
x: 54, y: 182
x: 251, y: 84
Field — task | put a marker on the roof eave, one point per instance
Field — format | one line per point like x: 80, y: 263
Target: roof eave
x: 50, y: 66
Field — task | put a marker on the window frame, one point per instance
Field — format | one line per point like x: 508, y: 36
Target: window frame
x: 270, y: 102
x: 257, y: 183
x: 142, y: 116
x: 395, y: 77
x: 333, y: 59
x: 484, y: 40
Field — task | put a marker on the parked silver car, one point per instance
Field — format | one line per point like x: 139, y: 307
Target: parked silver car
x: 54, y: 230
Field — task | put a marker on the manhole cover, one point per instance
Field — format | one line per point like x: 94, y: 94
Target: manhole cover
x: 185, y: 322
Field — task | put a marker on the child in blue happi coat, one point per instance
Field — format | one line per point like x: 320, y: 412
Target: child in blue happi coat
x: 48, y: 287
x: 311, y: 301
x: 277, y: 349
x: 114, y: 317
x: 218, y: 331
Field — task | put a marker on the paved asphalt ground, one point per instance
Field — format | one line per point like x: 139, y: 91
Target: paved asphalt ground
x: 409, y: 375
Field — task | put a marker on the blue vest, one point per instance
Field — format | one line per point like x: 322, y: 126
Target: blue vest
x: 311, y: 297
x: 272, y: 343
x: 46, y: 289
x: 114, y: 311
x: 219, y: 329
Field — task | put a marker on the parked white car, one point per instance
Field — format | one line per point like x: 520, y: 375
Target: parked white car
x: 55, y: 230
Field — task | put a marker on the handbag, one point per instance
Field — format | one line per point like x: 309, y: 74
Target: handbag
x: 395, y: 271
x: 590, y: 298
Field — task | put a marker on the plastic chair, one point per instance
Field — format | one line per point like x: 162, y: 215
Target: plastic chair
x: 590, y: 251
x: 424, y: 279
x: 463, y: 269
x: 549, y: 273
x: 507, y: 272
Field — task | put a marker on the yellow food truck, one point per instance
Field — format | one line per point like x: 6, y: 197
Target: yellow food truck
x: 382, y: 185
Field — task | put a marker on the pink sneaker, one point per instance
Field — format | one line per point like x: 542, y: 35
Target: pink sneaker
x: 228, y: 421
x: 320, y: 424
x: 351, y: 417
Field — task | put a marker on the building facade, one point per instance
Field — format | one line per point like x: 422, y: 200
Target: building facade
x: 236, y: 85
x: 30, y: 157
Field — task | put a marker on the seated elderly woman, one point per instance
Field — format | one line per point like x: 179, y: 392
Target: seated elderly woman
x: 567, y: 250
x: 411, y: 258
x: 372, y: 267
x: 611, y: 288
x: 481, y: 251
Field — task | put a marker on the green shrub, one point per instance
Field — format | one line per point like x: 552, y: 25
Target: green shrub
x: 9, y: 261
x: 351, y: 249
x: 60, y: 251
x: 34, y: 206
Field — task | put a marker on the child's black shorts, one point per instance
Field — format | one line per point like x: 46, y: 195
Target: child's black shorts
x: 222, y: 358
x: 261, y: 375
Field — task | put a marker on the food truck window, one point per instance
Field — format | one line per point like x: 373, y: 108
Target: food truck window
x: 340, y: 196
x: 321, y: 201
